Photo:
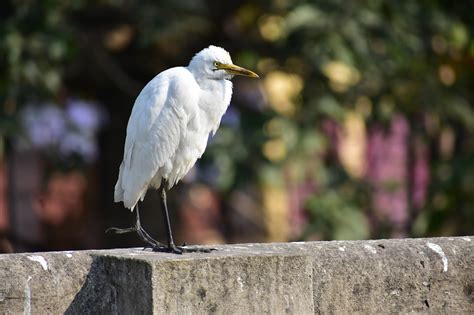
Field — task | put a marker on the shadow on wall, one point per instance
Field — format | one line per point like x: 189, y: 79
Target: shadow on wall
x: 111, y: 289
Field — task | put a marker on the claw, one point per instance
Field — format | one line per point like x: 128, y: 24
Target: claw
x: 170, y: 249
x: 187, y: 249
x: 183, y: 249
x: 121, y: 231
x: 150, y: 242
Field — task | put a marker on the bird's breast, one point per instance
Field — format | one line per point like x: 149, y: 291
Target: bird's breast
x: 213, y: 102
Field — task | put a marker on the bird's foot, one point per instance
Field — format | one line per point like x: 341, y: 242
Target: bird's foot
x: 121, y: 231
x: 183, y: 249
x: 144, y: 236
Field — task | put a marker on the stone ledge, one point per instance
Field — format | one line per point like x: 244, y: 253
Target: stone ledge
x: 433, y: 275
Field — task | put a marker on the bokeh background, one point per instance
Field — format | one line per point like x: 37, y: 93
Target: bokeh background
x: 360, y: 127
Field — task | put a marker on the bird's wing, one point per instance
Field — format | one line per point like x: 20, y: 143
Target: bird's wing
x: 157, y: 123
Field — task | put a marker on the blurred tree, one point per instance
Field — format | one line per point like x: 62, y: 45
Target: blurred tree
x: 403, y: 69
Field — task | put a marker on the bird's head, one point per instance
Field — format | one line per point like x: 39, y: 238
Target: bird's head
x: 215, y: 63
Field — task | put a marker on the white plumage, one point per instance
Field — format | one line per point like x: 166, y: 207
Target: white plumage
x: 171, y: 121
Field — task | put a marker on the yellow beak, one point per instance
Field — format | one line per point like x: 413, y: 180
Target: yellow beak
x: 236, y: 70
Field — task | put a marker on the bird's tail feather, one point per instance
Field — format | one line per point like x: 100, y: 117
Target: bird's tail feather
x: 129, y: 193
x: 119, y: 192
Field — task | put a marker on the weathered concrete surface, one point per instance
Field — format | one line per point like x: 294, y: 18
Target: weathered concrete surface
x: 383, y: 276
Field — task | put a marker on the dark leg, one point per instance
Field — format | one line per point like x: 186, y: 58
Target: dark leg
x: 166, y: 218
x: 172, y: 248
x: 144, y: 236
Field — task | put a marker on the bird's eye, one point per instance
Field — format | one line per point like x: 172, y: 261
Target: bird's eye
x: 216, y: 64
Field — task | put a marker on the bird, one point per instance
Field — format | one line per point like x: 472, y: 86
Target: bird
x: 168, y: 130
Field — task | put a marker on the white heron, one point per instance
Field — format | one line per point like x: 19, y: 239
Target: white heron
x: 168, y: 131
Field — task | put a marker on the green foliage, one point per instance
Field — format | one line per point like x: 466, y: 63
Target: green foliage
x: 336, y: 218
x: 410, y: 58
x: 37, y: 42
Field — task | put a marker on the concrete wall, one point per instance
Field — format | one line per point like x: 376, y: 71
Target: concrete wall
x: 383, y: 276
